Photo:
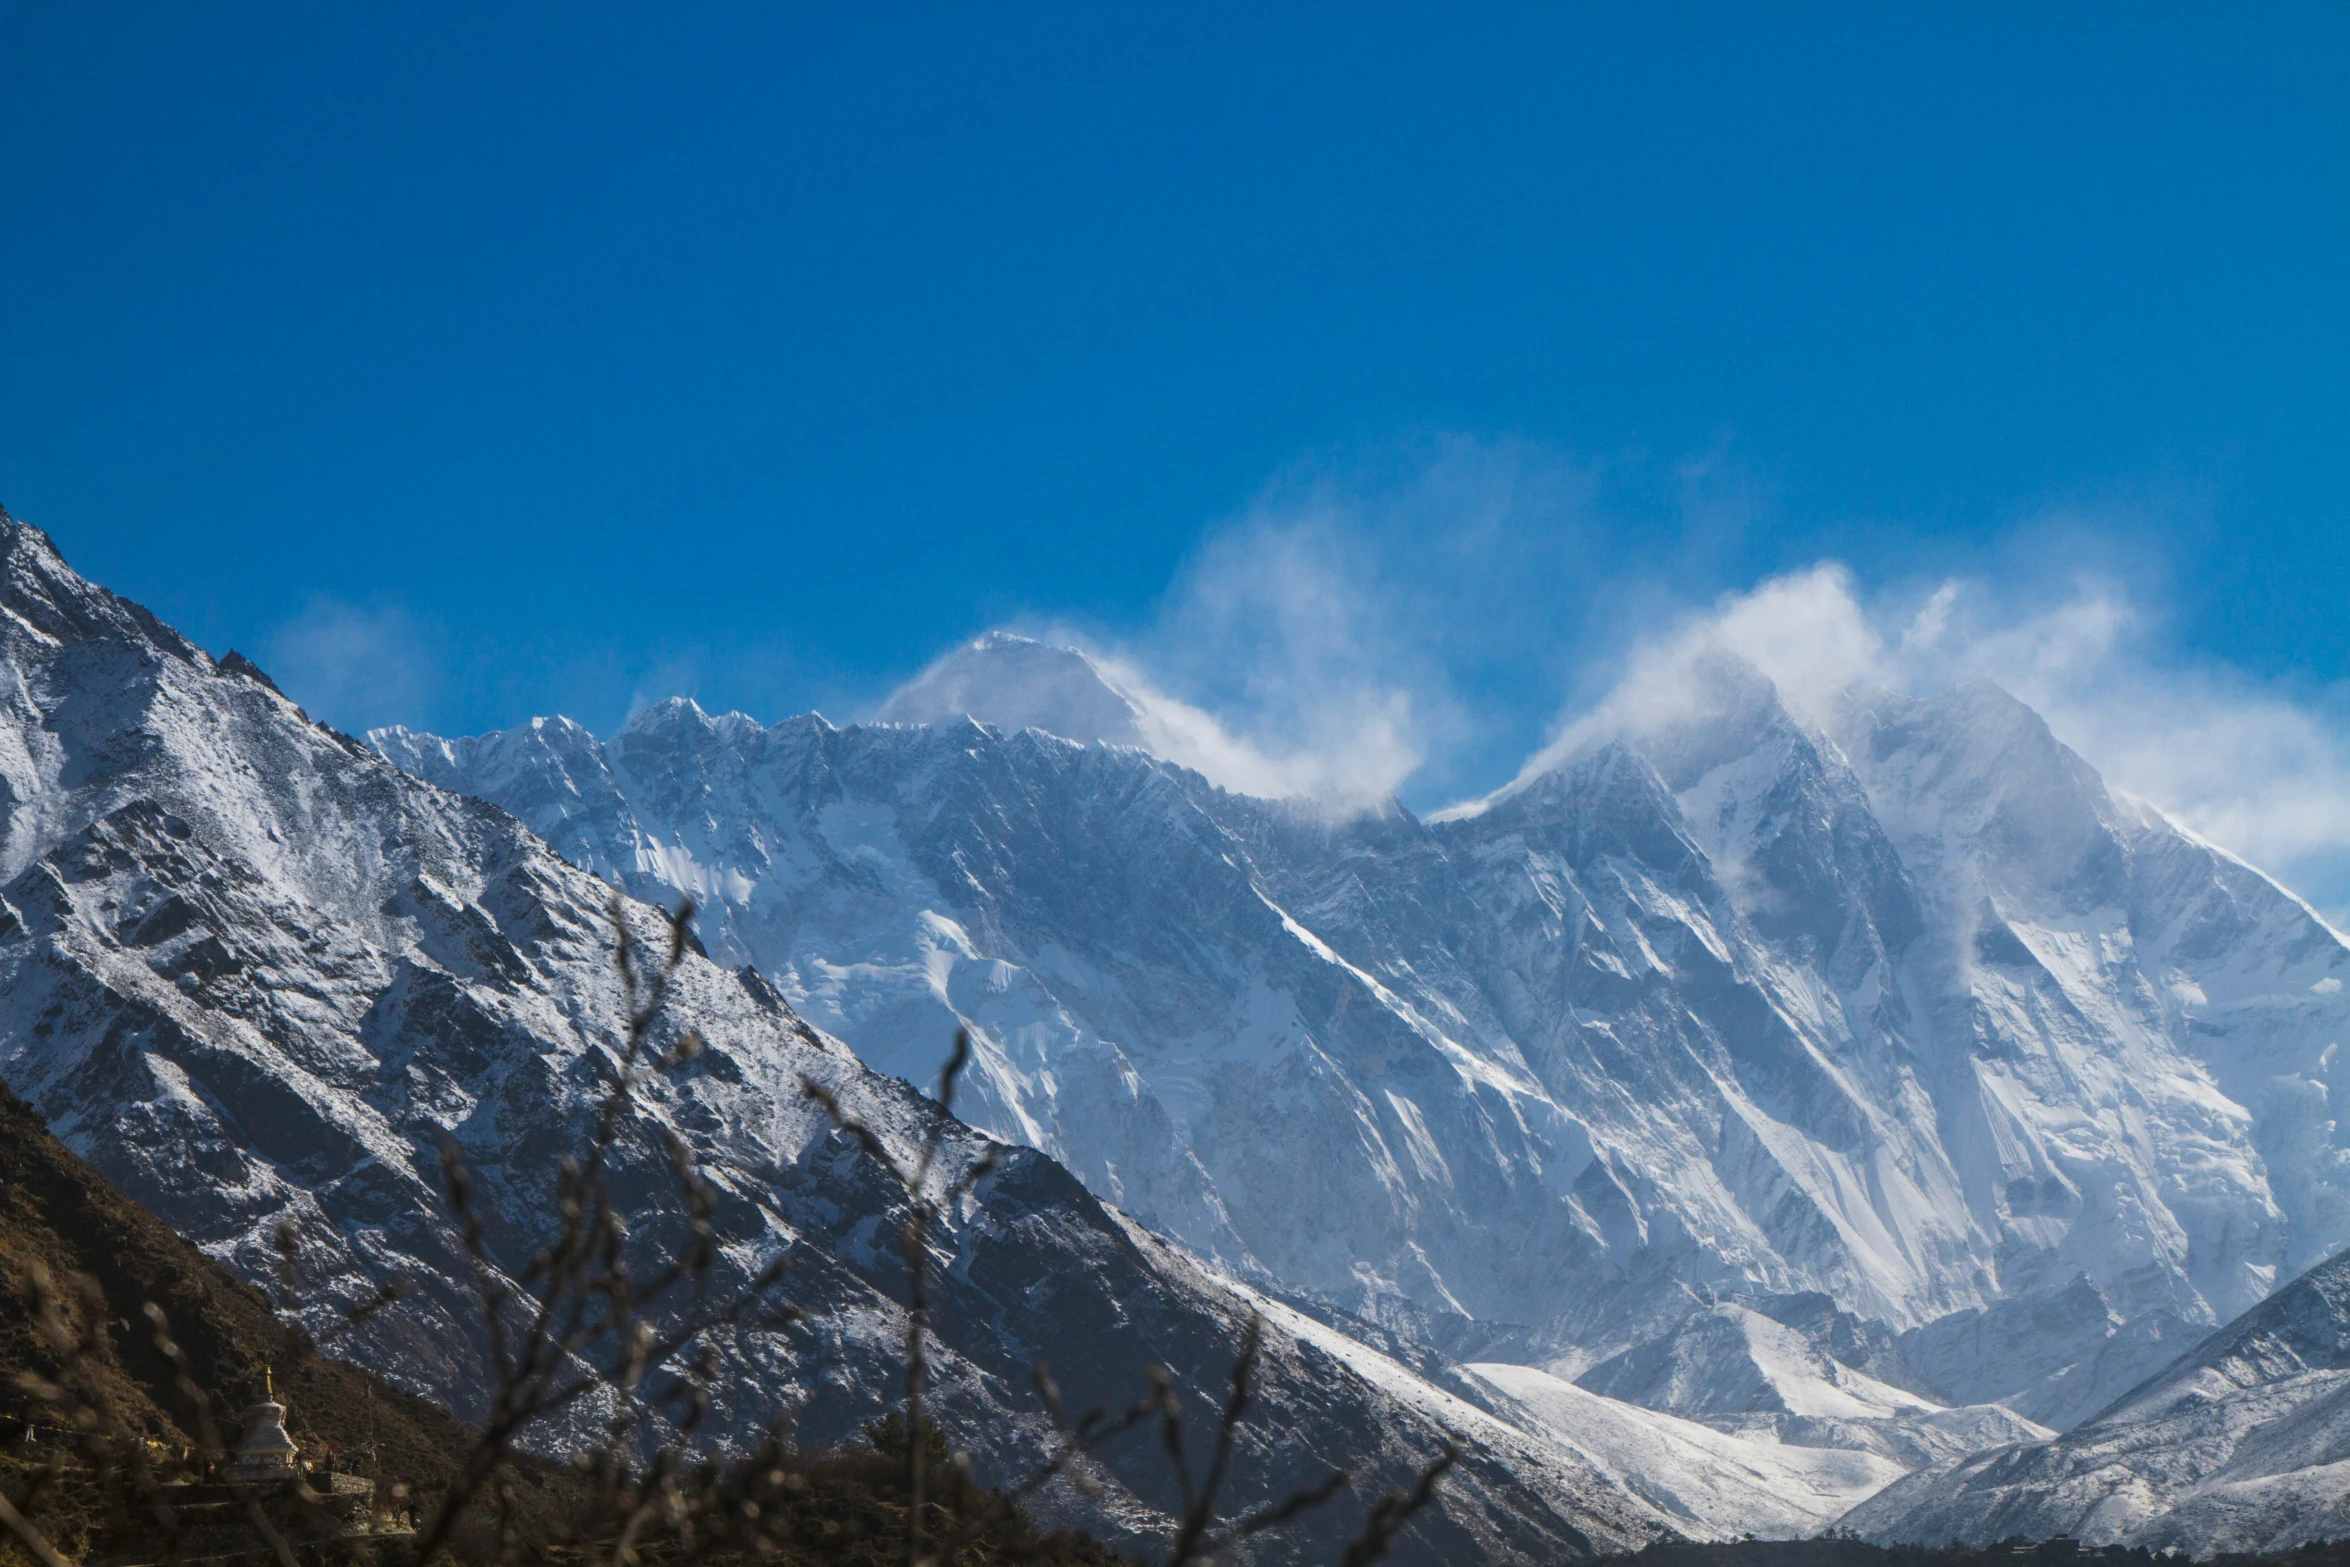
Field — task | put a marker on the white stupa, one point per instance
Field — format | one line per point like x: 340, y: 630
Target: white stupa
x: 267, y: 1452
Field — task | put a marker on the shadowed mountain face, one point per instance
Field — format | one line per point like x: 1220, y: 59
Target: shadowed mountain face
x: 61, y: 1216
x: 252, y: 972
x: 1904, y: 1009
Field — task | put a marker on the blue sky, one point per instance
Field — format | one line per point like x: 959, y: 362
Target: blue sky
x: 469, y: 363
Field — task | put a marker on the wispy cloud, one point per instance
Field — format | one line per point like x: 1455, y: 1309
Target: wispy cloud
x: 1806, y: 631
x: 1352, y: 622
x: 1348, y: 757
x: 1418, y: 619
x: 355, y: 666
x: 2260, y: 768
x: 1405, y: 618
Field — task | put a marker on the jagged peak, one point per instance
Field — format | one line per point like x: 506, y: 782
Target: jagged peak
x: 20, y: 538
x: 668, y: 713
x: 32, y: 556
x: 1978, y: 711
x: 680, y: 714
x: 808, y: 723
x: 1609, y: 793
x: 235, y: 663
x: 553, y: 731
x: 1975, y: 739
x: 1731, y: 710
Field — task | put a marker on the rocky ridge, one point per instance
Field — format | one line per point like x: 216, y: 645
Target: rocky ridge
x: 2242, y: 1444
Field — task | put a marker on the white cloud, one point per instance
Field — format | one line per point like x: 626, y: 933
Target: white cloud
x: 2253, y: 766
x: 1339, y: 628
x: 1271, y: 618
x: 354, y: 667
x: 1806, y: 631
x: 1361, y: 756
x: 1410, y: 620
x: 2259, y: 767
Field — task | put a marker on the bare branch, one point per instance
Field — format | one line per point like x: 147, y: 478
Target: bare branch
x: 29, y: 1537
x: 1391, y: 1512
x: 588, y: 1317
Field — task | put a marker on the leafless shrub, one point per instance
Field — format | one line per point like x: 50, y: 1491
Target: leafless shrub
x: 1199, y: 1531
x: 579, y: 1326
x: 116, y: 1457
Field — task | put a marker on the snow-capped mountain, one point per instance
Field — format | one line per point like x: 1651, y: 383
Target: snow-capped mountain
x: 1899, y: 1006
x: 1827, y: 1096
x: 2242, y: 1445
x: 253, y: 972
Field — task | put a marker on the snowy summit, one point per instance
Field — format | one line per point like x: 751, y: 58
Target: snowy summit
x: 1013, y: 682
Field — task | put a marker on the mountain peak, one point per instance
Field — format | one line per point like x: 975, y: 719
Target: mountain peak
x: 1726, y: 708
x: 1014, y: 682
x: 30, y: 556
x: 669, y: 713
x: 1683, y: 719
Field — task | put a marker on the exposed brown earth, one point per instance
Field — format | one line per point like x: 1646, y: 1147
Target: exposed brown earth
x: 61, y: 1217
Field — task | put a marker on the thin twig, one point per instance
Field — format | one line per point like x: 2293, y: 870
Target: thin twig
x: 1392, y: 1511
x: 29, y: 1537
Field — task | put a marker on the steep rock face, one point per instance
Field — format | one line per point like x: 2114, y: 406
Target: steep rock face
x: 2130, y: 1030
x: 820, y: 856
x: 2242, y: 1444
x: 255, y: 974
x: 1904, y: 1007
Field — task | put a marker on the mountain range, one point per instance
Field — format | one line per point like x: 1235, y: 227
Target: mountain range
x: 1911, y: 1012
x: 1756, y: 1108
x: 1876, y: 1080
x: 254, y: 974
x: 2242, y: 1444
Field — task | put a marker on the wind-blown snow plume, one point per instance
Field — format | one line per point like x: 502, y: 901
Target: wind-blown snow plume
x: 1806, y: 631
x: 1372, y: 624
x: 1062, y: 688
x: 1343, y: 634
x: 2257, y: 768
